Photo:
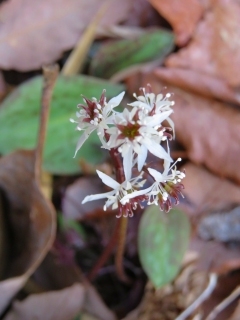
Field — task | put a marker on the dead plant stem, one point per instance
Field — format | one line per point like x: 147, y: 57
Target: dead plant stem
x: 50, y: 74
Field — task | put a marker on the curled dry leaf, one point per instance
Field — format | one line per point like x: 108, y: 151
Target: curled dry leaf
x: 215, y: 48
x: 62, y: 305
x: 183, y: 16
x: 200, y: 83
x: 31, y: 222
x: 35, y: 34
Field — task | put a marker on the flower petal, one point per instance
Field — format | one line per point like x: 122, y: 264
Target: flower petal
x: 128, y: 164
x: 158, y: 151
x: 142, y: 156
x: 98, y: 196
x: 108, y: 180
x: 156, y: 175
x: 134, y: 194
x: 116, y: 100
x: 158, y: 118
x: 82, y: 139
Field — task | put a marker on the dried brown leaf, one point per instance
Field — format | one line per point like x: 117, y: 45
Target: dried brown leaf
x: 206, y: 192
x: 72, y: 202
x: 33, y: 34
x: 212, y: 134
x: 31, y: 221
x: 215, y: 47
x: 198, y: 82
x: 62, y: 305
x: 183, y: 16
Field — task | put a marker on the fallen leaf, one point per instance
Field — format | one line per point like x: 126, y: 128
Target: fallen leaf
x: 33, y: 35
x: 206, y: 192
x: 183, y: 16
x: 62, y: 305
x: 31, y: 222
x: 212, y: 134
x: 200, y: 83
x: 22, y: 106
x: 72, y: 206
x: 54, y: 276
x: 215, y: 48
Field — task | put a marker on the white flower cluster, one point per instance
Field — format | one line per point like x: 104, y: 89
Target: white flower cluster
x: 131, y: 134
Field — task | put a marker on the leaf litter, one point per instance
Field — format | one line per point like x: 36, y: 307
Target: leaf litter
x: 202, y: 74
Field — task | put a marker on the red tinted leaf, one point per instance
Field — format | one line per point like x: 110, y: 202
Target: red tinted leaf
x: 215, y: 48
x: 200, y: 83
x: 183, y: 16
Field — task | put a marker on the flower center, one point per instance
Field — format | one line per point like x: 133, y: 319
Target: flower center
x: 130, y: 131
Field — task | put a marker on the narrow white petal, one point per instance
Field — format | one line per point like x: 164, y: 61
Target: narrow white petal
x: 142, y: 156
x: 116, y: 100
x: 108, y: 180
x: 128, y: 164
x: 156, y: 175
x: 158, y: 151
x: 83, y: 138
x: 97, y: 196
x: 135, y: 194
x: 158, y: 118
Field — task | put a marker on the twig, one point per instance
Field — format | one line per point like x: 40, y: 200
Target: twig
x: 206, y: 293
x: 78, y: 55
x: 224, y: 304
x: 50, y: 74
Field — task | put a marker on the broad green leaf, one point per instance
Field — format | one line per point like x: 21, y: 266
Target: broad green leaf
x: 162, y: 241
x: 116, y: 56
x: 19, y: 121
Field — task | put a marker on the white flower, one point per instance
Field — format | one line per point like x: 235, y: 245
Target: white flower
x: 119, y: 191
x: 166, y: 185
x: 135, y: 133
x: 96, y: 115
x: 149, y: 102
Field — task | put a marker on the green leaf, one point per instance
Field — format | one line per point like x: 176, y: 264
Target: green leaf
x: 162, y: 241
x: 115, y: 56
x: 19, y: 121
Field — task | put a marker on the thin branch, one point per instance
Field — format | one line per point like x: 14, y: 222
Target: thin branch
x: 50, y: 74
x: 206, y: 293
x: 224, y: 304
